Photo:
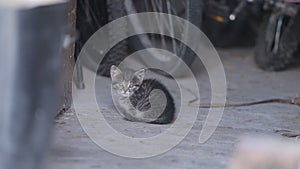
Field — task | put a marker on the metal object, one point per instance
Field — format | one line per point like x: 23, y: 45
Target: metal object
x: 79, y: 76
x: 238, y: 9
x: 277, y: 34
x: 31, y: 40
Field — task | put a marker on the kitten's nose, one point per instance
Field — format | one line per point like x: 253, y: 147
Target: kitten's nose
x: 126, y: 90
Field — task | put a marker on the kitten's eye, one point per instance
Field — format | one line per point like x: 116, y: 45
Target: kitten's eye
x: 132, y: 86
x: 118, y: 86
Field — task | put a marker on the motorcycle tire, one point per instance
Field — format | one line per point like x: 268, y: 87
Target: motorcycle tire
x: 288, y: 44
x: 193, y: 13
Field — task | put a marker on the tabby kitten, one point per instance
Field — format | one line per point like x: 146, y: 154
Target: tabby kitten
x: 141, y: 100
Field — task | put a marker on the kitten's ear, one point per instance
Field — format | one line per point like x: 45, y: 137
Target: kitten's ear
x: 115, y: 72
x: 138, y: 76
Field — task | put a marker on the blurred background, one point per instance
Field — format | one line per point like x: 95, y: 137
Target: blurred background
x: 257, y: 41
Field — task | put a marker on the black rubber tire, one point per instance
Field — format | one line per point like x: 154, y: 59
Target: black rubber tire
x: 115, y: 10
x: 86, y: 25
x: 288, y: 44
x: 194, y: 16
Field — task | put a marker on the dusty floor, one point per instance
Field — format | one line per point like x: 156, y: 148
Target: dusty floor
x: 72, y: 148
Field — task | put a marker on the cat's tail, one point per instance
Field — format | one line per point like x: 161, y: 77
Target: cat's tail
x: 158, y: 101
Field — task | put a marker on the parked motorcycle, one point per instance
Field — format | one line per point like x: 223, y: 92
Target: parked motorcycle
x: 279, y: 36
x: 229, y: 23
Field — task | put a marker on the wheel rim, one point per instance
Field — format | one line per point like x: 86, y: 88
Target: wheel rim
x: 275, y: 29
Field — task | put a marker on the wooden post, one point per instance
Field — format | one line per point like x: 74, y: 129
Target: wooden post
x: 68, y: 61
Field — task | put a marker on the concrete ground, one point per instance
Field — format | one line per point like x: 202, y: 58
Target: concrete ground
x: 72, y: 148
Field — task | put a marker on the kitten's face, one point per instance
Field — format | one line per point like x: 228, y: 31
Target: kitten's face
x: 124, y: 84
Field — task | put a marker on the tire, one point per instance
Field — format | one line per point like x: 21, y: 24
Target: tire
x: 115, y: 10
x: 86, y: 25
x: 193, y: 14
x: 265, y: 58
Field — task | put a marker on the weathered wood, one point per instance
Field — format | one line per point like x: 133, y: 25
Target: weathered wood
x: 68, y: 61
